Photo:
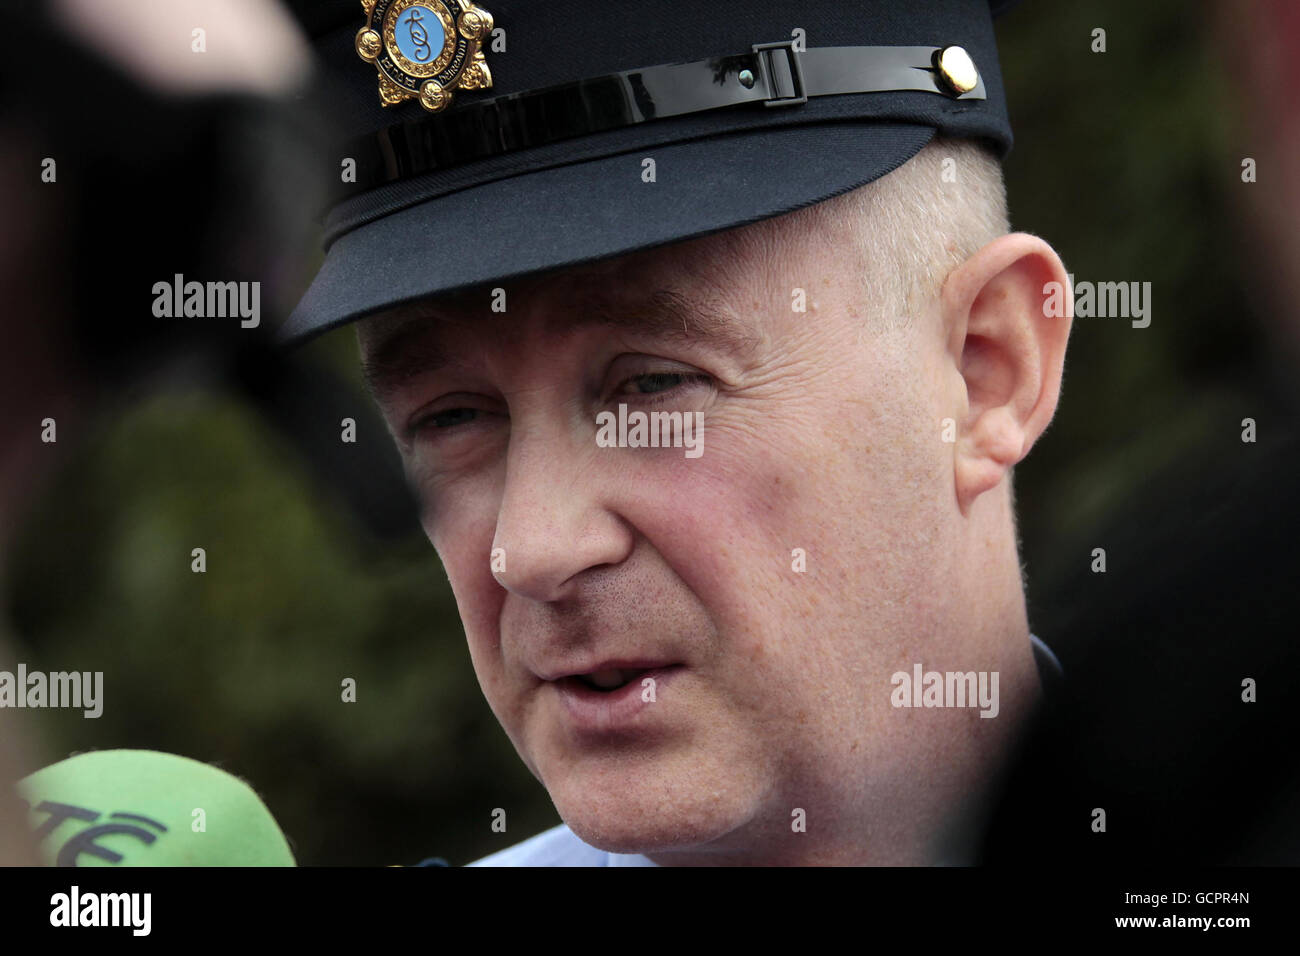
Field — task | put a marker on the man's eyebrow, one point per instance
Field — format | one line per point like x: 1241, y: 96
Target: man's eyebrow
x: 401, y: 354
x: 409, y: 349
x: 671, y: 315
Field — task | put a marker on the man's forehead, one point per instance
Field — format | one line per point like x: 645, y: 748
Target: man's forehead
x: 696, y: 285
x: 660, y: 305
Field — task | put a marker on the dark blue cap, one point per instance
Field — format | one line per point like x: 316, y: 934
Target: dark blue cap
x: 749, y: 110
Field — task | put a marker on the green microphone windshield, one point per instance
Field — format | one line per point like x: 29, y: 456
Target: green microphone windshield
x: 146, y: 808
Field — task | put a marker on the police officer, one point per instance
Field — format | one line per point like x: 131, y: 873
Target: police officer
x: 779, y: 617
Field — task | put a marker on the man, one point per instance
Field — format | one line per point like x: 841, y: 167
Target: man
x: 785, y: 622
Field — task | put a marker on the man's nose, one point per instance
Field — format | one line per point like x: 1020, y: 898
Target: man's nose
x: 555, y: 521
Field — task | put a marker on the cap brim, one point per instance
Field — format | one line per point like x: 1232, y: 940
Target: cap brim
x: 596, y: 209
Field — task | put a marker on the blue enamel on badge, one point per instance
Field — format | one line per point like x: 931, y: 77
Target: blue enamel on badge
x: 425, y: 49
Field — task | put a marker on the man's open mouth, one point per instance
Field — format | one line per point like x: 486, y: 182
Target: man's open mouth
x: 608, y: 680
x: 616, y: 697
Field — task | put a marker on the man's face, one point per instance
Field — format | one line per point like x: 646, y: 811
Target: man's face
x: 770, y: 675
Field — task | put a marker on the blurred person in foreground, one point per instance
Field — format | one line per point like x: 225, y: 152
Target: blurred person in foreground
x: 1171, y: 741
x: 75, y: 182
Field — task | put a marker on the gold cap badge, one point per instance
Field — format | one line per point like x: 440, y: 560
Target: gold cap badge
x: 425, y: 49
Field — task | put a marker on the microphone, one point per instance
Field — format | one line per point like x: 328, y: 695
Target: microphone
x: 147, y: 808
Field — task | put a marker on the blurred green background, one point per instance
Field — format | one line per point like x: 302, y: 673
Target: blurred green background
x: 1127, y: 161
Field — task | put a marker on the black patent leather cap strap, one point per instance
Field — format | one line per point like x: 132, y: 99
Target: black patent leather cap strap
x: 770, y: 75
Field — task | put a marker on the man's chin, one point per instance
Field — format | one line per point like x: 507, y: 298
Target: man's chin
x: 628, y: 813
x: 628, y: 833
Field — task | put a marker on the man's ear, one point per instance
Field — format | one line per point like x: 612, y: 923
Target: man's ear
x: 1009, y: 349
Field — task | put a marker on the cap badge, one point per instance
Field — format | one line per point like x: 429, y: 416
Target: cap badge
x: 425, y: 49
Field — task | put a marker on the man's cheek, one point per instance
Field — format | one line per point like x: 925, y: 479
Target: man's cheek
x: 461, y: 528
x: 479, y: 601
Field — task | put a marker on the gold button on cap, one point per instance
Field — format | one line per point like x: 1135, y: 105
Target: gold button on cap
x: 957, y: 69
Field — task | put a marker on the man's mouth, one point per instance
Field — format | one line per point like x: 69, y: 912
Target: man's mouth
x: 608, y: 676
x: 611, y: 679
x: 617, y: 697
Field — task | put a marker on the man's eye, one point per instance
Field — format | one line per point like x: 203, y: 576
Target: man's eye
x: 444, y: 419
x: 653, y: 383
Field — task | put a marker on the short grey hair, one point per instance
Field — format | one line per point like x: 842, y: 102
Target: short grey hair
x: 916, y: 224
